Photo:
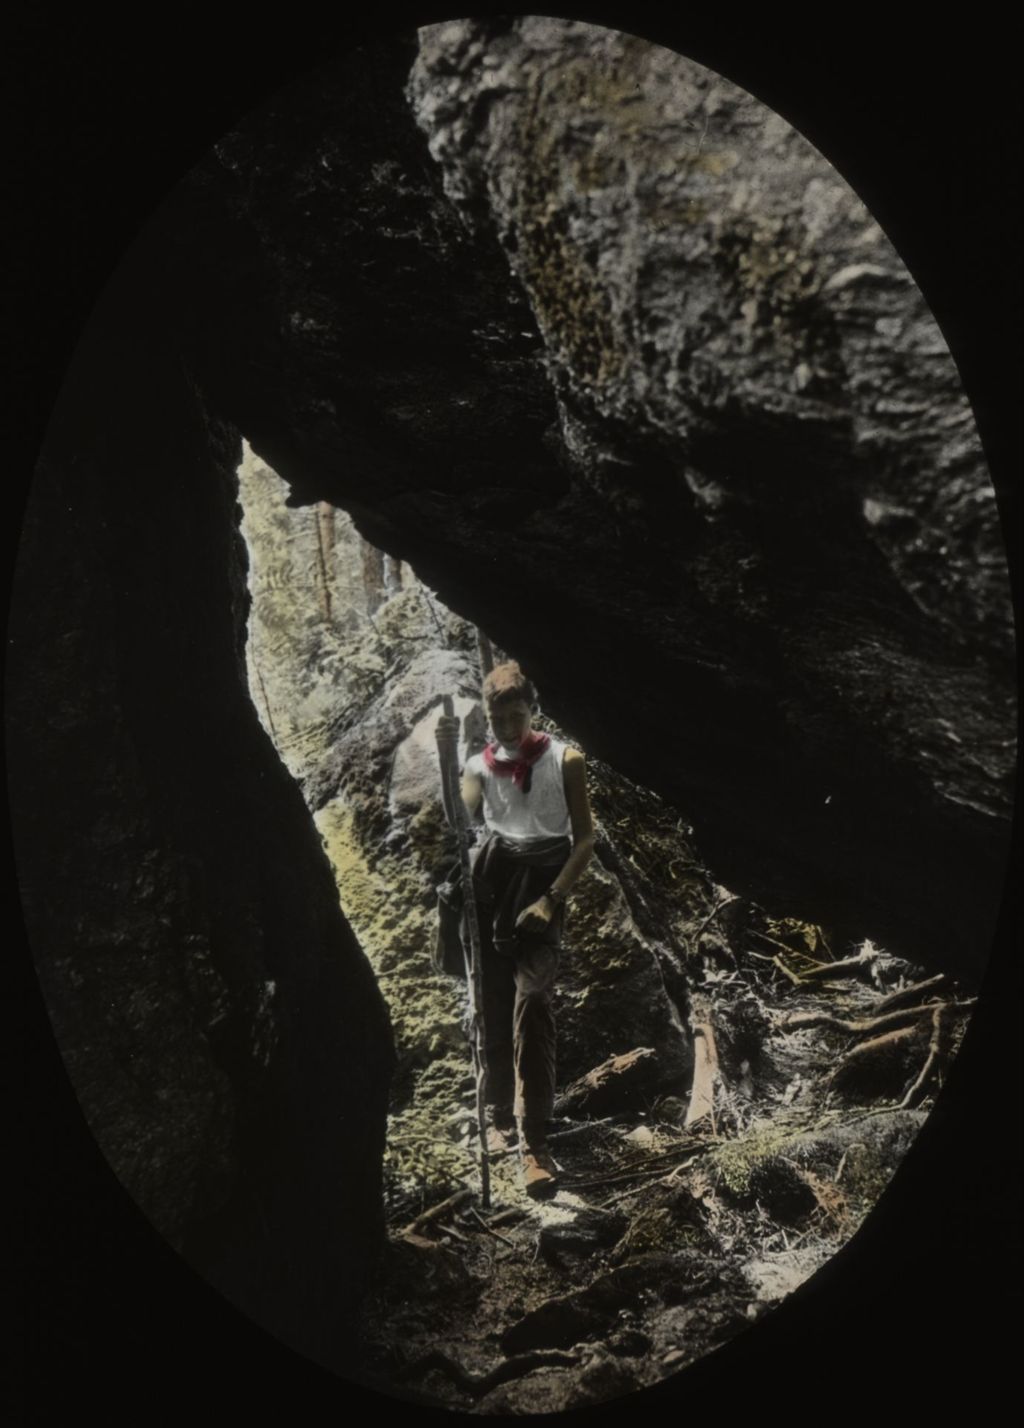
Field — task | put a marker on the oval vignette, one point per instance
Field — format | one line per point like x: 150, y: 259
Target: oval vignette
x: 142, y: 693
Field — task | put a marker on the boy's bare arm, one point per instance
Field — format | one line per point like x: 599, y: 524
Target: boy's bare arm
x: 472, y: 792
x: 574, y: 773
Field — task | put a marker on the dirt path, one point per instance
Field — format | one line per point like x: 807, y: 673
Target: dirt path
x: 661, y: 1242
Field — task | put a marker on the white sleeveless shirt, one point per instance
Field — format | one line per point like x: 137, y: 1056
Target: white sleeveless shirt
x: 526, y: 817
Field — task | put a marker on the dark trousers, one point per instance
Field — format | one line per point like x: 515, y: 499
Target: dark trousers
x: 518, y: 982
x: 520, y: 1031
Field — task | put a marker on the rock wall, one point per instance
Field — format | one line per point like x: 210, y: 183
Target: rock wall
x: 700, y: 276
x: 737, y: 353
x: 217, y: 1019
x: 634, y: 382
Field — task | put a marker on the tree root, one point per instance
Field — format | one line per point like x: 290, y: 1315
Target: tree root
x: 911, y: 995
x: 938, y: 1051
x: 893, y: 1047
x: 796, y: 1020
x: 871, y: 1067
x: 810, y: 970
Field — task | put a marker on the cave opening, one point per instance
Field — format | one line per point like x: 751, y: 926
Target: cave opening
x: 717, y: 1059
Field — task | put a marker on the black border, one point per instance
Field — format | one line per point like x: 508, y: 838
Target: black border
x: 108, y: 113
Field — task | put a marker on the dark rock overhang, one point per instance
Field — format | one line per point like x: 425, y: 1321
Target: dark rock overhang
x: 835, y: 722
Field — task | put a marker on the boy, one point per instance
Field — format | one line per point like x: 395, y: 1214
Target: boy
x: 531, y: 790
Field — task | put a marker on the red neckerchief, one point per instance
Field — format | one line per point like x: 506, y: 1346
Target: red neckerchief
x: 520, y: 767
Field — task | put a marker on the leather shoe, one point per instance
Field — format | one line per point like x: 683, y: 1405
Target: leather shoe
x: 540, y: 1173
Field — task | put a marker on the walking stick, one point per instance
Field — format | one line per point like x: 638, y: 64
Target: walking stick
x: 447, y: 748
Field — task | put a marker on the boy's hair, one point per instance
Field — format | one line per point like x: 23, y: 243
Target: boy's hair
x: 507, y: 681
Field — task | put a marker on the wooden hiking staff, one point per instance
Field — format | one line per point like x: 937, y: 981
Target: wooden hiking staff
x: 448, y: 753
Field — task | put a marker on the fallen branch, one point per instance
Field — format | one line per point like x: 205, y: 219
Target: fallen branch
x: 712, y: 915
x: 504, y: 1216
x: 671, y: 1179
x: 822, y: 971
x: 490, y: 1230
x: 436, y: 1211
x: 859, y: 1144
x: 410, y: 1237
x: 615, y: 1179
x: 785, y: 947
x: 621, y: 1195
x: 811, y: 968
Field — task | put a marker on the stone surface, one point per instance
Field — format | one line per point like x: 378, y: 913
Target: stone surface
x: 589, y: 1230
x: 218, y: 1021
x: 633, y: 332
x: 736, y: 351
x: 556, y: 1324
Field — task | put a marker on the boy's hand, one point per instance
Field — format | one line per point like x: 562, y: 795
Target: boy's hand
x: 535, y: 917
x: 448, y: 727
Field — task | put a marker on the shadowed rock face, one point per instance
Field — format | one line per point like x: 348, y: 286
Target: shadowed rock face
x: 631, y: 343
x: 219, y: 1023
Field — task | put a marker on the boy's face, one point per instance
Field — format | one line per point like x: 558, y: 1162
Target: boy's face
x: 510, y: 720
